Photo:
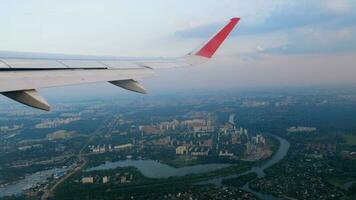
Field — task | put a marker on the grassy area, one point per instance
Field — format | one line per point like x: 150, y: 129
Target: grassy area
x: 13, y: 198
x: 241, y: 180
x: 183, y: 161
x: 352, y: 191
x: 350, y: 139
x: 338, y: 181
x: 139, y: 186
x: 273, y: 144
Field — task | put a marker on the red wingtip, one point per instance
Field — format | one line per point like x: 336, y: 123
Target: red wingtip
x: 235, y: 19
x: 212, y: 45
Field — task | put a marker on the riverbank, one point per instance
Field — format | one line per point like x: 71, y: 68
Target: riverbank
x: 151, y: 175
x: 257, y: 169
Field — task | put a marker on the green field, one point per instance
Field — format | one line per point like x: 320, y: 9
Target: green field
x: 350, y: 139
x: 183, y: 161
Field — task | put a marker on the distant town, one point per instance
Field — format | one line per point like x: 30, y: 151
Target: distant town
x: 207, y: 146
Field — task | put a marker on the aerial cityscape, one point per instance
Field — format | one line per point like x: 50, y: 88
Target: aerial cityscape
x: 266, y: 145
x: 178, y: 100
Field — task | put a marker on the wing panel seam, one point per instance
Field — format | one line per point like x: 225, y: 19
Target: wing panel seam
x: 5, y: 63
x: 60, y: 62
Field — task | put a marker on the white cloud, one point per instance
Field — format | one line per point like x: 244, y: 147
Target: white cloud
x: 338, y: 6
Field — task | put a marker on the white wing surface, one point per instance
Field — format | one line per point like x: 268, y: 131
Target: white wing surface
x: 22, y: 73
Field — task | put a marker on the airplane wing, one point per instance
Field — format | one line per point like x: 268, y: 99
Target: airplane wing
x: 22, y: 73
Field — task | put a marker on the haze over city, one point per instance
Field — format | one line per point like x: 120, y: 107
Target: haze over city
x: 277, y: 43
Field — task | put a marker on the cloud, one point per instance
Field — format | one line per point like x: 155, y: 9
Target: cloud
x: 326, y: 14
x: 320, y: 26
x: 338, y: 6
x: 199, y: 31
x: 313, y: 40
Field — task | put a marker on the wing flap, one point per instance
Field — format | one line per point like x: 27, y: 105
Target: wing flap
x: 131, y: 85
x: 28, y: 97
x: 32, y: 64
x: 89, y: 64
x: 121, y: 64
x: 3, y: 65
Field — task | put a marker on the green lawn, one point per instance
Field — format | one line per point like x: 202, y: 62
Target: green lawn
x: 338, y: 181
x: 183, y: 161
x: 350, y: 139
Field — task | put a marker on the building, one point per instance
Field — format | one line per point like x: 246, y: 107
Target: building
x: 58, y: 175
x: 259, y: 139
x: 105, y: 179
x: 298, y: 129
x: 250, y: 148
x: 98, y: 149
x: 199, y: 151
x: 169, y: 125
x: 203, y: 129
x: 123, y: 179
x: 194, y: 122
x: 87, y: 180
x: 61, y: 134
x: 225, y: 154
x: 206, y: 143
x: 162, y: 141
x: 151, y: 130
x: 181, y: 150
x: 235, y: 138
x: 123, y: 146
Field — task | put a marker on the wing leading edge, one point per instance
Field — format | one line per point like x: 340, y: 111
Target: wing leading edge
x: 22, y: 73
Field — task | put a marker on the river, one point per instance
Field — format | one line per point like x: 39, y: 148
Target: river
x: 155, y: 169
x: 259, y: 169
x: 28, y: 182
x: 348, y: 185
x: 232, y: 119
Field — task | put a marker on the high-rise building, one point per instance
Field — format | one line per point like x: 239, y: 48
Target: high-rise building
x: 87, y: 180
x: 105, y: 179
x: 181, y: 150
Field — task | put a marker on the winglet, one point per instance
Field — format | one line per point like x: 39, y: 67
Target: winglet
x: 212, y: 45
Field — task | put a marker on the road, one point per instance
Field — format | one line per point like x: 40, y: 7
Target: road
x: 81, y: 161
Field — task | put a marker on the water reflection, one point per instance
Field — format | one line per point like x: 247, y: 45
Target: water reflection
x: 155, y: 169
x: 259, y: 169
x: 348, y: 185
x: 28, y: 182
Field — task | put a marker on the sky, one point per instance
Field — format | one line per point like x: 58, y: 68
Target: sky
x: 278, y: 43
